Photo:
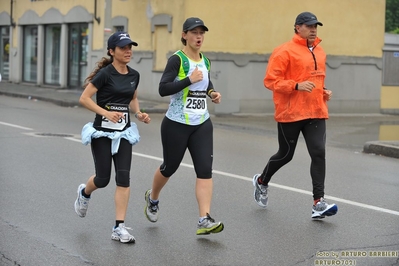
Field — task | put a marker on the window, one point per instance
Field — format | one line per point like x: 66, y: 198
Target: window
x: 5, y: 52
x: 52, y: 55
x: 390, y: 68
x: 78, y: 52
x: 119, y: 28
x: 30, y: 54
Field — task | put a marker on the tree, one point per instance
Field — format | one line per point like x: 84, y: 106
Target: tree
x: 392, y: 16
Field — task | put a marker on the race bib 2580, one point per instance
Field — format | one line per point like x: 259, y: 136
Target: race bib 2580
x: 195, y: 103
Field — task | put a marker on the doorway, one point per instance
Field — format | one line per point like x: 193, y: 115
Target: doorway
x: 77, y: 55
x: 5, y: 54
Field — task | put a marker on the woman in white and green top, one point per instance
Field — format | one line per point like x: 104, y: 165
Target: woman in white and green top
x: 186, y: 80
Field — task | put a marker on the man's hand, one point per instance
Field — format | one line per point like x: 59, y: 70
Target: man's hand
x: 306, y: 86
x: 327, y: 94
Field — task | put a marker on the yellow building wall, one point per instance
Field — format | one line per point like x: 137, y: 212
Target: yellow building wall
x: 352, y: 28
x: 239, y: 27
x: 63, y: 6
x: 257, y: 26
x: 389, y: 132
x: 5, y: 6
x: 98, y: 28
x: 389, y: 97
x: 40, y: 7
x: 139, y: 26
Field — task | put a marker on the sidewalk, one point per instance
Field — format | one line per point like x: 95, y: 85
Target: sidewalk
x: 70, y: 98
x: 63, y: 97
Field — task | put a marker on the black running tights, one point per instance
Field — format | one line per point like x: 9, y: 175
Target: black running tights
x: 314, y: 133
x: 101, y: 150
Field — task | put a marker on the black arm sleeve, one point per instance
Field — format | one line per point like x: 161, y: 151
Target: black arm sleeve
x: 210, y: 88
x: 167, y: 85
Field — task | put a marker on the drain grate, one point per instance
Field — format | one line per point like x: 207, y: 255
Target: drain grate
x: 54, y: 135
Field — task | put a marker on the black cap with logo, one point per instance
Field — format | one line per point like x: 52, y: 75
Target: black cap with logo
x: 192, y: 23
x: 120, y: 39
x: 307, y: 18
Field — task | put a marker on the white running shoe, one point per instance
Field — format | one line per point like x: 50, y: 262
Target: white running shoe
x: 81, y: 203
x: 260, y: 192
x: 209, y: 226
x: 323, y: 209
x: 150, y: 210
x: 121, y: 234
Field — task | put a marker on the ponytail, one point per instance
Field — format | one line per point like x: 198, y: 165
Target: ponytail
x: 100, y: 64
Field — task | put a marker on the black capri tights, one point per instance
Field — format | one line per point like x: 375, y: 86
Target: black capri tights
x: 101, y: 150
x: 177, y: 137
x: 314, y: 133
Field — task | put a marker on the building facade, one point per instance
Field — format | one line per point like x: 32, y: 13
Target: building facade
x: 56, y: 43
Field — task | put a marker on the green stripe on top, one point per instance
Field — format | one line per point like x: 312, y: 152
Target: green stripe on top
x: 207, y: 63
x: 183, y: 107
x: 184, y: 64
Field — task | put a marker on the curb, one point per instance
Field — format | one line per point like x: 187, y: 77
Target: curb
x: 385, y: 148
x: 63, y: 103
x: 148, y: 107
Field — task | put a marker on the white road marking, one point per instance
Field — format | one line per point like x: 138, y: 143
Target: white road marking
x: 353, y: 203
x: 73, y: 139
x: 350, y: 202
x: 16, y: 126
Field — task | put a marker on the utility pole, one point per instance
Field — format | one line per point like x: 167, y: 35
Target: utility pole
x: 107, y: 22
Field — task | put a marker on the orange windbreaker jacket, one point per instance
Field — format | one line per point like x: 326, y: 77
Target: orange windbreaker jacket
x: 292, y: 63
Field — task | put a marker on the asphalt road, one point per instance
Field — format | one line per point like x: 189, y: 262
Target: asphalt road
x: 42, y: 162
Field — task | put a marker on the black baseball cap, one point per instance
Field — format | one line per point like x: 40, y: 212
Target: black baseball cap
x: 192, y: 23
x: 307, y: 18
x: 120, y: 39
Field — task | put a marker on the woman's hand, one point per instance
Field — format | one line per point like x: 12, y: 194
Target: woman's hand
x: 143, y: 117
x: 196, y: 75
x: 216, y: 97
x: 114, y: 117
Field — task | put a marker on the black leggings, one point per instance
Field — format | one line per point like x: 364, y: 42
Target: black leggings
x: 314, y: 133
x: 177, y: 137
x: 101, y: 150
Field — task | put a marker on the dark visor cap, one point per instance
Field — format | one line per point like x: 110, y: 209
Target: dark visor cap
x: 307, y: 18
x: 120, y: 39
x: 192, y: 23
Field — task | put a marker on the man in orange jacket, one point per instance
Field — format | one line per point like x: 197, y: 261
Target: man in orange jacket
x: 296, y: 73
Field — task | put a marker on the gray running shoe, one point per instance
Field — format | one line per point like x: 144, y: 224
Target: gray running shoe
x: 208, y: 226
x: 121, y: 234
x: 323, y: 209
x: 150, y: 210
x: 260, y: 192
x: 81, y: 203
